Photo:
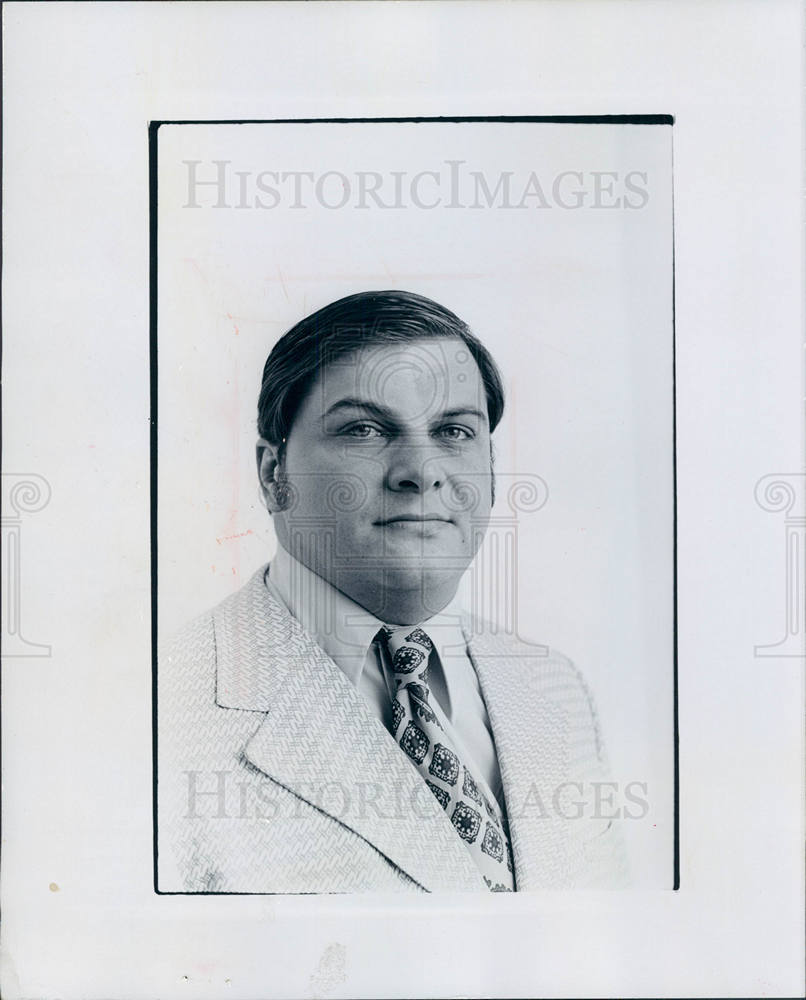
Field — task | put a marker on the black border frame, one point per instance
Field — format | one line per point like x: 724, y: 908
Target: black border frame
x: 153, y: 175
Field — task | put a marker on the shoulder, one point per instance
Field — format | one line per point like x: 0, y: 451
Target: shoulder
x: 541, y: 670
x: 494, y: 642
x: 245, y: 606
x: 190, y: 655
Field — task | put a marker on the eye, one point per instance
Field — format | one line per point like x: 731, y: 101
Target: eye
x: 453, y: 432
x: 363, y: 431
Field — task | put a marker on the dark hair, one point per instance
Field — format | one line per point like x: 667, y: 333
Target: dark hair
x: 360, y: 320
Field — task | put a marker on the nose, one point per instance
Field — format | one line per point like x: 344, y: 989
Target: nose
x: 415, y: 469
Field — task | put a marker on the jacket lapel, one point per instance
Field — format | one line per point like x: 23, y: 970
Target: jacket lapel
x: 320, y: 740
x: 531, y: 734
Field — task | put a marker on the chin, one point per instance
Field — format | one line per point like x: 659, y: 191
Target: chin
x: 424, y: 577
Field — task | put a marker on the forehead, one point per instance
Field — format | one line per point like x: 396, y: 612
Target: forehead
x: 424, y: 375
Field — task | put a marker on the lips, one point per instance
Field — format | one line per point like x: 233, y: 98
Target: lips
x: 415, y: 519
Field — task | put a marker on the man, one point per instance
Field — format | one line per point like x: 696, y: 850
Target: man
x: 340, y: 724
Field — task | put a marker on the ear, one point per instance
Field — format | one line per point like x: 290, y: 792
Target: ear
x: 268, y: 464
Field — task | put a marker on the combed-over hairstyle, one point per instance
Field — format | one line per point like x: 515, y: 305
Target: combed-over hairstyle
x: 366, y: 319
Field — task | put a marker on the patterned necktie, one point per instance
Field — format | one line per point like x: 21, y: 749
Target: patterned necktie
x: 476, y: 819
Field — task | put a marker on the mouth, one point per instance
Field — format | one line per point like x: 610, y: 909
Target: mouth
x: 414, y: 519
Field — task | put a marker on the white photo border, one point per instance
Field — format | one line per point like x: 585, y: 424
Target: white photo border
x: 82, y: 82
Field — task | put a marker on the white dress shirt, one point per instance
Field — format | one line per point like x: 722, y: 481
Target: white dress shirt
x: 346, y: 632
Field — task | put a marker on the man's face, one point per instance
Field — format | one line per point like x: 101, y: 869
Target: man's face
x: 388, y: 468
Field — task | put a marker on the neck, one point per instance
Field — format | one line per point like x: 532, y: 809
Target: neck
x: 407, y: 603
x: 403, y: 607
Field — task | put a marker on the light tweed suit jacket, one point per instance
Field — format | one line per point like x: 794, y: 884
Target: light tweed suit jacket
x: 274, y: 776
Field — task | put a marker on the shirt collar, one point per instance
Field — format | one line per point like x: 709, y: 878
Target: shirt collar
x: 342, y: 628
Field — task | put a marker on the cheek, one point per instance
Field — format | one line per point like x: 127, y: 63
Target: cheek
x: 321, y: 480
x: 470, y: 494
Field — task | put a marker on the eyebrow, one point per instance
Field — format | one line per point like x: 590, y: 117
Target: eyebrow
x: 384, y: 413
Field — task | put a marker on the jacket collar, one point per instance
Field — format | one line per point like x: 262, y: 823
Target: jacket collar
x: 320, y: 740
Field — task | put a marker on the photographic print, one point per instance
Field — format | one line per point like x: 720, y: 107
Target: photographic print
x: 403, y: 500
x: 413, y: 518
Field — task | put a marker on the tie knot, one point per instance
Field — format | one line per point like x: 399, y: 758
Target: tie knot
x: 409, y: 647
